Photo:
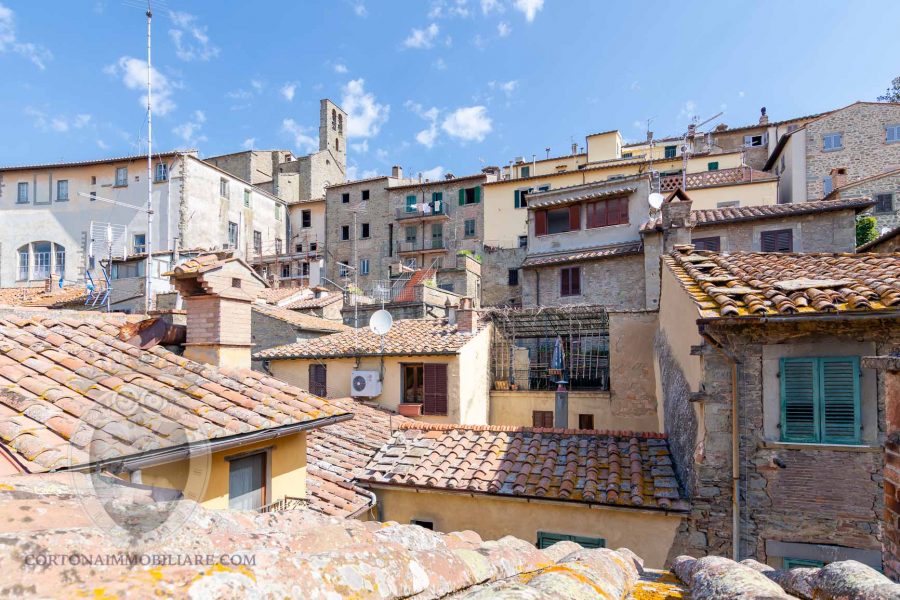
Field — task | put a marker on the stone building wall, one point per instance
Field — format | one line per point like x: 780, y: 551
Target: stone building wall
x: 615, y: 283
x: 888, y: 184
x: 256, y: 166
x: 865, y: 151
x: 495, y: 266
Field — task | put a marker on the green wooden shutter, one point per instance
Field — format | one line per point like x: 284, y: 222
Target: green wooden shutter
x: 799, y: 414
x: 839, y: 390
x: 410, y: 203
x: 477, y: 194
x: 462, y: 197
x: 545, y: 539
x: 518, y: 203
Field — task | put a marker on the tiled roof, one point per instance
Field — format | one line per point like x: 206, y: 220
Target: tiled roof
x: 762, y: 284
x: 72, y: 393
x: 441, y: 181
x: 275, y: 295
x: 337, y: 453
x: 309, y: 303
x: 298, y: 319
x: 408, y: 337
x: 209, y: 262
x: 99, y: 161
x: 593, y: 191
x: 295, y: 554
x: 881, y: 239
x: 611, y: 251
x: 836, y: 192
x: 717, y: 216
x: 604, y: 467
x: 37, y: 296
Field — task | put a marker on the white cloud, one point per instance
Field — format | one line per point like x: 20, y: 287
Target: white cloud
x: 635, y: 86
x: 249, y: 143
x: 9, y: 41
x: 133, y: 72
x: 257, y: 85
x: 422, y: 38
x: 443, y: 9
x: 102, y: 145
x: 362, y: 147
x: 489, y: 6
x: 381, y: 154
x: 507, y: 87
x: 340, y: 68
x: 287, y: 91
x: 688, y: 110
x: 353, y: 173
x: 189, y: 131
x: 303, y: 141
x: 427, y: 136
x: 503, y: 29
x: 529, y: 8
x: 359, y: 9
x: 741, y: 94
x: 468, y: 123
x: 365, y: 115
x: 433, y: 174
x: 56, y: 123
x: 439, y: 64
x: 190, y: 39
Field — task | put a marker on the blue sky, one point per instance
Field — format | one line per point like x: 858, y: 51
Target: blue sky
x: 435, y: 86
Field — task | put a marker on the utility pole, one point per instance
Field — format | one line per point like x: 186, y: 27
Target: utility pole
x: 149, y: 240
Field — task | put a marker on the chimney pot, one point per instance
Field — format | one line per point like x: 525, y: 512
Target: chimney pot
x: 574, y: 148
x: 838, y: 177
x: 763, y: 117
x: 676, y: 221
x: 397, y: 171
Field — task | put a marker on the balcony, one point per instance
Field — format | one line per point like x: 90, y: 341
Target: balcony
x: 669, y: 183
x: 286, y: 503
x: 433, y: 211
x: 423, y: 246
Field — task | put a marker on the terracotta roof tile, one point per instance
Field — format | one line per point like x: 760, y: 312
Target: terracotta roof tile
x: 592, y: 466
x: 408, y: 337
x: 71, y: 384
x: 298, y: 319
x: 38, y: 297
x: 320, y: 302
x: 599, y: 252
x: 761, y: 284
x: 275, y: 295
x: 717, y: 216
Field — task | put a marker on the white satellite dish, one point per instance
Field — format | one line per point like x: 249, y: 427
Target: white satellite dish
x: 381, y: 322
x: 656, y: 200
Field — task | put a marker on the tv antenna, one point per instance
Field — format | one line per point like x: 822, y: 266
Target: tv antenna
x: 108, y: 241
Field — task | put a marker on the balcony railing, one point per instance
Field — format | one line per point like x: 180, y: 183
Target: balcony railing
x: 434, y: 209
x: 286, y: 503
x: 669, y: 183
x: 425, y: 245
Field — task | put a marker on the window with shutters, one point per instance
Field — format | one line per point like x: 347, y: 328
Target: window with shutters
x: 469, y: 196
x: 317, y: 380
x: 714, y: 244
x: 585, y: 421
x: 832, y: 141
x: 607, y: 212
x: 413, y: 392
x: 557, y: 220
x: 777, y: 240
x: 248, y: 481
x: 306, y: 219
x: 546, y: 539
x: 712, y: 166
x: 411, y: 203
x: 892, y: 134
x: 884, y: 203
x: 670, y: 151
x: 542, y: 418
x: 570, y: 281
x: 435, y: 389
x: 525, y: 171
x: 820, y: 400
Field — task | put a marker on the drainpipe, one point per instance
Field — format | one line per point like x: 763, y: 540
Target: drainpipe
x: 735, y: 447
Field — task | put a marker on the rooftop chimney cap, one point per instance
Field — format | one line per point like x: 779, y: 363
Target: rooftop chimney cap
x: 449, y: 176
x: 397, y: 171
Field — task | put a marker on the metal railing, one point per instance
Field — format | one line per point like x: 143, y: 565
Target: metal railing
x: 286, y: 503
x: 423, y: 245
x: 417, y: 211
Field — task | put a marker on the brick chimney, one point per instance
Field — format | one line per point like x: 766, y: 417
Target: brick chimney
x: 218, y: 290
x: 397, y: 172
x: 466, y: 317
x: 838, y: 177
x: 676, y: 220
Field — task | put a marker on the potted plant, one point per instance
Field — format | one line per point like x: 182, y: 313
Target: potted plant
x: 410, y: 409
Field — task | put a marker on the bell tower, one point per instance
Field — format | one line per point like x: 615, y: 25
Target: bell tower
x: 332, y: 131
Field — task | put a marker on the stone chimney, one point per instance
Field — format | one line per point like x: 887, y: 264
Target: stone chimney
x: 763, y: 117
x: 218, y: 290
x: 838, y: 177
x: 466, y: 317
x: 49, y: 288
x: 574, y: 148
x: 676, y: 220
x: 397, y: 172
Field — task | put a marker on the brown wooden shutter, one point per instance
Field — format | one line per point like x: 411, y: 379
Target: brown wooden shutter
x: 597, y: 214
x: 574, y: 217
x: 542, y: 418
x: 564, y: 282
x: 317, y: 380
x: 778, y: 240
x: 435, y: 384
x: 540, y: 222
x: 713, y: 244
x: 575, y: 285
x: 623, y: 210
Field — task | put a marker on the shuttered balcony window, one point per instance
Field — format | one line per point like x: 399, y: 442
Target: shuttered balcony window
x: 778, y: 240
x: 820, y: 401
x: 435, y: 389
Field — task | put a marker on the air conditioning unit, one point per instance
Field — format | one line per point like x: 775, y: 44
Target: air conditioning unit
x: 365, y: 384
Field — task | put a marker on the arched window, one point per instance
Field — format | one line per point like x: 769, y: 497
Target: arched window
x: 333, y: 119
x: 341, y: 124
x: 40, y: 260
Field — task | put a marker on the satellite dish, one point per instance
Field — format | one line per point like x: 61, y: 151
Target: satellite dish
x: 656, y: 200
x: 381, y: 322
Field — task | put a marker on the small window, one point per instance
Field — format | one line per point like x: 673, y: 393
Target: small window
x: 820, y: 400
x: 627, y: 154
x: 712, y: 166
x: 247, y: 482
x: 754, y: 140
x: 777, y: 240
x: 364, y: 266
x: 286, y: 271
x: 345, y: 198
x: 93, y: 196
x: 469, y: 226
x: 232, y: 234
x: 892, y: 134
x: 557, y: 220
x: 714, y: 244
x: 410, y: 234
x: 800, y: 563
x: 341, y: 124
x: 525, y: 171
x: 317, y: 380
x: 161, y: 173
x: 513, y: 277
x: 337, y: 145
x: 832, y: 141
x: 298, y: 247
x: 607, y: 212
x: 542, y: 418
x: 364, y: 231
x: 523, y: 241
x: 884, y: 203
x: 585, y: 421
x: 277, y: 211
x: 411, y: 203
x: 345, y: 232
x: 521, y: 200
x: 365, y: 195
x: 313, y: 246
x: 277, y: 246
x: 670, y: 151
x: 546, y: 539
x: 306, y: 219
x: 121, y: 176
x: 139, y: 243
x: 257, y: 242
x: 437, y: 202
x: 235, y: 282
x: 223, y: 187
x: 469, y: 196
x: 246, y: 198
x: 570, y: 281
x: 424, y: 524
x: 62, y: 190
x: 93, y: 180
x: 304, y: 269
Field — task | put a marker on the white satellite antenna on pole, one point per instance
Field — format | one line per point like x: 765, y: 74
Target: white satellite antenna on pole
x: 656, y: 201
x: 381, y: 322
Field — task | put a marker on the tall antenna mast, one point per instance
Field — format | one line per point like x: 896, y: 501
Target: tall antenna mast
x: 149, y: 249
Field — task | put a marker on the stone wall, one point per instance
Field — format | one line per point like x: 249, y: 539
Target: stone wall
x: 268, y: 332
x: 615, y: 283
x: 888, y: 184
x: 495, y: 266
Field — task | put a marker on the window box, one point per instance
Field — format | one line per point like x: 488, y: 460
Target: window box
x: 410, y: 409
